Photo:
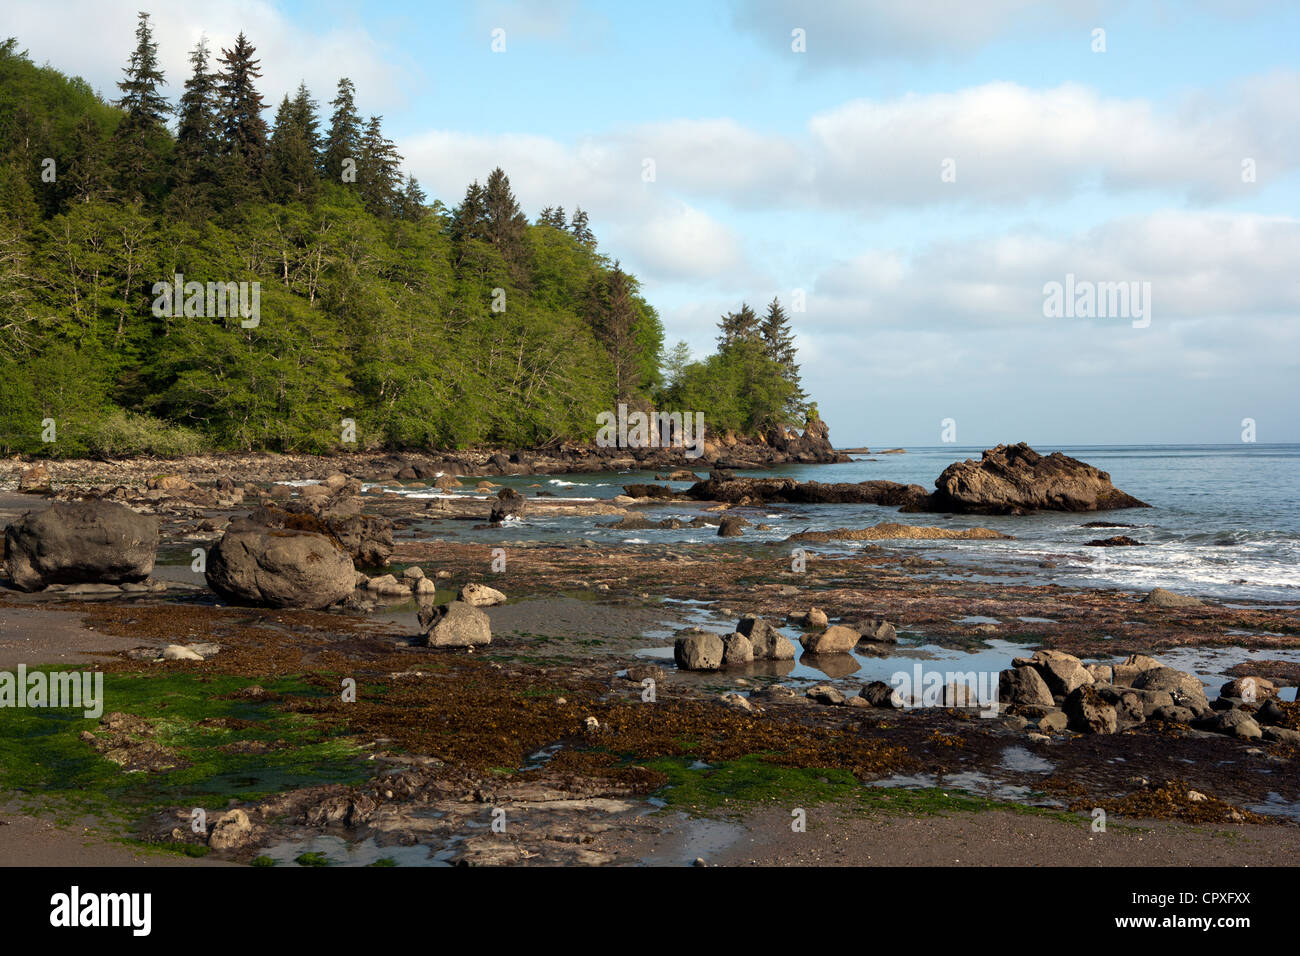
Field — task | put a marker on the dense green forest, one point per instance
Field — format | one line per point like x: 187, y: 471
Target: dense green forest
x: 428, y: 326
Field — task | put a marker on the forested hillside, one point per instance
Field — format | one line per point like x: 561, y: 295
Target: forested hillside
x: 428, y: 325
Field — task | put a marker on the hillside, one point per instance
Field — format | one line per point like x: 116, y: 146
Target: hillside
x: 322, y: 301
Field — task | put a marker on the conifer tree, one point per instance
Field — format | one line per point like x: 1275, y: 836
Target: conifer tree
x: 241, y: 120
x: 343, y: 142
x: 737, y: 327
x: 292, y: 155
x: 778, y: 344
x: 580, y: 230
x: 85, y: 177
x: 141, y: 135
x: 198, y: 135
x: 379, y: 171
x: 505, y: 221
x: 553, y: 216
x: 414, y: 203
x: 613, y: 317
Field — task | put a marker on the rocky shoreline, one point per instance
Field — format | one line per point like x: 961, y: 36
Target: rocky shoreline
x: 569, y: 683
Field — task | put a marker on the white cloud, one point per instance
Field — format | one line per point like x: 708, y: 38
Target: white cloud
x: 861, y: 32
x: 94, y: 39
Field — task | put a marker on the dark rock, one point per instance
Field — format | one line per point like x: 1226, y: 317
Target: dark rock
x: 76, y: 542
x: 1013, y: 479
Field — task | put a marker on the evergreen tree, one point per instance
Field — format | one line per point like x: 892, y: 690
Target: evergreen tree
x: 141, y: 135
x: 379, y: 171
x: 241, y: 121
x: 414, y: 203
x: 85, y: 177
x: 675, y: 362
x: 343, y: 142
x: 505, y: 221
x: 778, y: 345
x: 553, y: 216
x: 737, y: 327
x: 613, y: 317
x: 580, y: 230
x: 198, y: 135
x: 292, y: 156
x: 469, y: 218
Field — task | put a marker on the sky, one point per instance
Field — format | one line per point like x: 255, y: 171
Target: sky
x: 908, y: 178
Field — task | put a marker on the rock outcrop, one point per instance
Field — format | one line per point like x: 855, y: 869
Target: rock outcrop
x: 1015, y: 479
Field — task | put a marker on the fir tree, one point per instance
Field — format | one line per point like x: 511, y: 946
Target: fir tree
x: 738, y: 327
x: 413, y: 203
x: 198, y: 135
x: 379, y: 171
x: 613, y: 317
x: 505, y: 222
x: 140, y: 135
x: 778, y: 345
x: 241, y: 120
x: 553, y: 216
x: 292, y: 156
x: 85, y: 177
x: 343, y: 142
x: 580, y: 230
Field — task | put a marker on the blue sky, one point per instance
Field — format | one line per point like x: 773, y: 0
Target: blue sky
x: 820, y: 171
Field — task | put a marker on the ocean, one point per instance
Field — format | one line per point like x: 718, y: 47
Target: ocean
x: 1224, y: 521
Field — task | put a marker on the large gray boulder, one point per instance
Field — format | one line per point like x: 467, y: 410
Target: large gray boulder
x: 455, y: 624
x: 280, y: 567
x: 1186, y: 689
x: 769, y: 643
x: 77, y: 542
x: 699, y: 651
x: 836, y: 639
x: 1023, y: 687
x: 1088, y: 713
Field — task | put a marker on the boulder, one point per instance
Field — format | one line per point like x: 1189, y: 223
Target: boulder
x: 825, y: 694
x: 769, y: 643
x: 1023, y: 686
x: 455, y: 624
x: 875, y: 631
x: 509, y: 504
x: 880, y: 694
x: 731, y: 526
x: 480, y: 595
x: 1234, y: 723
x: 836, y: 639
x: 1060, y: 671
x: 736, y: 649
x: 1014, y: 479
x: 1249, y: 690
x: 1186, y: 690
x: 279, y: 567
x: 699, y: 651
x: 1127, y: 671
x: 1162, y: 598
x: 1088, y: 713
x: 34, y: 480
x: 75, y: 542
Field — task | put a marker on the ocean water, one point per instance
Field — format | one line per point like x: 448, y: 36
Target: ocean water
x: 1224, y: 521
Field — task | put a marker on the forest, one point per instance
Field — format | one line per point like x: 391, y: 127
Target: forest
x: 424, y: 324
